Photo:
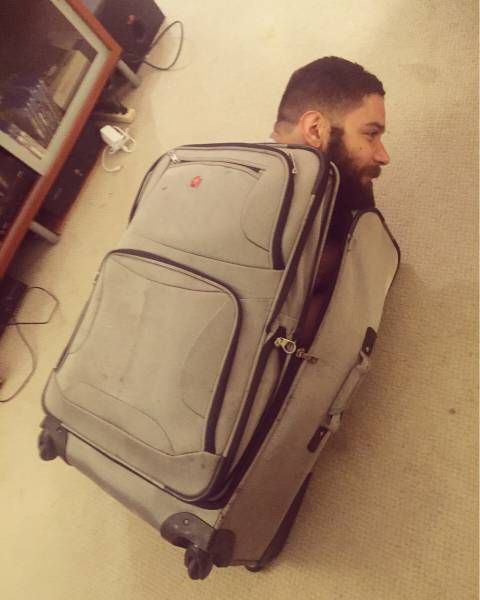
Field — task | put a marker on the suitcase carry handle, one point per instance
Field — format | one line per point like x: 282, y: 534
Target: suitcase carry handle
x: 349, y: 385
x: 355, y: 375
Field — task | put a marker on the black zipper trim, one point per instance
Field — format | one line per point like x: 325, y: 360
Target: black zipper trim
x: 298, y: 334
x: 390, y: 235
x: 322, y: 240
x: 376, y: 211
x: 219, y: 496
x: 318, y: 191
x: 219, y: 479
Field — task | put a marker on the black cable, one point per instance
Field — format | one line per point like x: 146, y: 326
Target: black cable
x: 158, y: 38
x: 54, y: 298
x: 25, y: 341
x: 132, y: 57
x: 32, y: 370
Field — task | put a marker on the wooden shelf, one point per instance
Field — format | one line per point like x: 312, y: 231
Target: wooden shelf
x: 35, y: 198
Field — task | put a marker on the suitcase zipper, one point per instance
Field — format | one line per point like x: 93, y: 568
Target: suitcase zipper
x: 287, y: 156
x: 299, y: 333
x: 318, y: 192
x: 243, y: 167
x: 290, y: 347
x: 223, y: 477
x: 255, y: 382
x: 294, y: 365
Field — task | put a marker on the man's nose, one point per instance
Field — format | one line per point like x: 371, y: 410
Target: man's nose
x: 381, y: 155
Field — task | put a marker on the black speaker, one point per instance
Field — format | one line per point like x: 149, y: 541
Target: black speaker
x: 132, y: 23
x: 16, y: 181
x: 74, y: 172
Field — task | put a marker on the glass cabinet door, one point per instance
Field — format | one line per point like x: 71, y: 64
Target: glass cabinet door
x: 49, y: 61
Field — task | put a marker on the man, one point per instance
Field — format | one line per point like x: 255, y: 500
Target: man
x: 336, y: 106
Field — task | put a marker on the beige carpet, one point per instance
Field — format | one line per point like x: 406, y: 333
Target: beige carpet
x: 392, y: 510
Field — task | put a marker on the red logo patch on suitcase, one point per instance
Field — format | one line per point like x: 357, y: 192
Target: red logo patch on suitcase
x: 196, y: 181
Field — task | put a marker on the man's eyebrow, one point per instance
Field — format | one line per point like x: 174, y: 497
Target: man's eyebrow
x: 376, y: 124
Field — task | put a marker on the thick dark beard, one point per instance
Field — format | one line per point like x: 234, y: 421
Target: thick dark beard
x: 352, y: 193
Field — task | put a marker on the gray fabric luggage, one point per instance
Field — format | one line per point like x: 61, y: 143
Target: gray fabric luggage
x: 185, y: 391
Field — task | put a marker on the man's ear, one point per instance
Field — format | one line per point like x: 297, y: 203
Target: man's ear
x: 315, y: 128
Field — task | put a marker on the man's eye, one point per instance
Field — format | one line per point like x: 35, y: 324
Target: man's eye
x: 372, y: 134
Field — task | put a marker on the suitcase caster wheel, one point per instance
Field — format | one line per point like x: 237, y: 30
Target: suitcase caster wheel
x: 198, y: 563
x: 46, y: 446
x: 254, y: 568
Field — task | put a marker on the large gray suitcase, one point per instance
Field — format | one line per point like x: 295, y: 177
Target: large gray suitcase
x: 184, y: 390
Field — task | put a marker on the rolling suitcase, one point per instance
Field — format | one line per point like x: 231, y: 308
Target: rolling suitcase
x: 185, y: 390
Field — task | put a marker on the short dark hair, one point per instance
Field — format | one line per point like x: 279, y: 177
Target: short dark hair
x: 328, y: 84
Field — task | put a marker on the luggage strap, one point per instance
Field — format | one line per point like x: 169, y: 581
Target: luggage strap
x: 355, y: 374
x: 339, y: 404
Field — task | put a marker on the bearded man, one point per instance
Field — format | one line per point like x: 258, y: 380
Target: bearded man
x: 338, y: 107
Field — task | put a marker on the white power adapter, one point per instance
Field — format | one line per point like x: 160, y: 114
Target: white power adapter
x: 113, y: 137
x: 116, y: 139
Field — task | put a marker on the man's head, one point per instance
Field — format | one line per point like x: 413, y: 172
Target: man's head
x: 336, y: 106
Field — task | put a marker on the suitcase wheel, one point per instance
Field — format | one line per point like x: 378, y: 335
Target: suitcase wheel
x: 46, y: 446
x: 254, y: 568
x: 198, y: 562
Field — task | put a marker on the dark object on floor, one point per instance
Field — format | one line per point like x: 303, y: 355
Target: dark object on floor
x: 74, y: 171
x: 16, y: 180
x: 11, y: 294
x: 132, y: 23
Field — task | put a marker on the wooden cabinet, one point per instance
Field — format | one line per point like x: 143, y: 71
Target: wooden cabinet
x: 56, y: 59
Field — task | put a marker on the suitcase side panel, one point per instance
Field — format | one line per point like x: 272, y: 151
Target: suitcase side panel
x: 291, y: 448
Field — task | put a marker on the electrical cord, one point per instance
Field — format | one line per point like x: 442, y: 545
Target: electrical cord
x: 158, y: 38
x: 139, y: 59
x: 127, y: 142
x: 33, y: 357
x: 106, y: 168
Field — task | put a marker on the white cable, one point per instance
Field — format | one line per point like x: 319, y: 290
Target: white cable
x: 129, y: 143
x: 108, y: 169
x: 114, y: 143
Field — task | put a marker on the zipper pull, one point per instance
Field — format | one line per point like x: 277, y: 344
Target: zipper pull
x: 301, y: 353
x: 294, y: 168
x: 288, y: 346
x: 173, y: 157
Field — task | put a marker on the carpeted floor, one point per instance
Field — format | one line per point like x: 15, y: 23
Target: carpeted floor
x: 391, y: 512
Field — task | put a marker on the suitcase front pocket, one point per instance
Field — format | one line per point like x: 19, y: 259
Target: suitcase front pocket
x: 208, y: 204
x: 153, y: 351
